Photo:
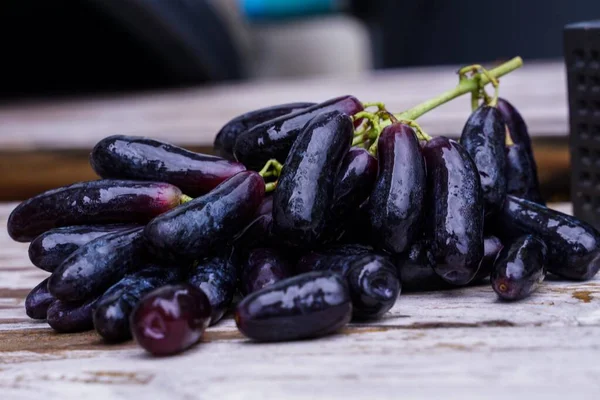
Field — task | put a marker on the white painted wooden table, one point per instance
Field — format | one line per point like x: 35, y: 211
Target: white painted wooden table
x: 459, y: 344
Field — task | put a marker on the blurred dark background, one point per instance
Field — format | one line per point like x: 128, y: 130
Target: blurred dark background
x: 67, y: 47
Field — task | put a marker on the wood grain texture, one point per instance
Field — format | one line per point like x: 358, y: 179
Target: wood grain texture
x: 193, y: 116
x: 458, y: 344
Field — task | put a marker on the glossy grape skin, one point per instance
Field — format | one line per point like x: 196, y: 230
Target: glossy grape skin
x: 263, y: 267
x: 112, y: 311
x: 396, y: 202
x: 145, y: 159
x: 208, y: 223
x: 266, y: 207
x: 305, y: 306
x: 522, y: 181
x: 454, y: 210
x: 216, y: 277
x: 52, y: 247
x: 227, y: 136
x: 170, y: 319
x: 374, y: 286
x: 333, y: 257
x: 65, y: 317
x: 256, y: 234
x: 573, y: 245
x: 354, y: 182
x: 97, y: 265
x: 416, y: 269
x: 353, y: 185
x: 491, y: 247
x: 103, y: 201
x: 274, y: 138
x: 483, y: 137
x: 38, y: 301
x: 304, y: 191
x: 520, y: 268
x: 521, y: 168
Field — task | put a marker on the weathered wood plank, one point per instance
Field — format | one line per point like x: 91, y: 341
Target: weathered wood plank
x: 193, y: 116
x: 461, y: 344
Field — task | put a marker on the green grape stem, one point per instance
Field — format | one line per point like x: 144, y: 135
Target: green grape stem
x: 467, y: 85
x: 269, y: 187
x: 185, y: 198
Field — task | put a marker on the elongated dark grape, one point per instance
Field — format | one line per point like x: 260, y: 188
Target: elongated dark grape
x: 353, y: 185
x: 225, y: 139
x: 304, y: 191
x: 264, y: 267
x: 51, y: 248
x: 170, y: 319
x: 266, y: 206
x: 256, y: 234
x: 38, y: 301
x: 354, y: 182
x: 112, y: 311
x: 96, y: 202
x: 483, y: 137
x: 208, y: 223
x: 416, y: 268
x: 374, y: 286
x: 521, y: 176
x: 145, y: 159
x: 97, y: 265
x: 454, y: 210
x: 396, y: 202
x: 521, y: 168
x: 491, y: 247
x: 274, y: 138
x: 216, y: 277
x: 372, y: 278
x: 305, y: 306
x: 65, y: 317
x: 573, y: 245
x: 334, y: 257
x: 520, y: 268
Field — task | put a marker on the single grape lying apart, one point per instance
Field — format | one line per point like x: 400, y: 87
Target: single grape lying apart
x: 170, y: 319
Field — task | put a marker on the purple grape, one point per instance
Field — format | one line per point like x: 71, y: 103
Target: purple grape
x: 225, y: 139
x: 51, y: 248
x: 65, y: 317
x: 208, y: 223
x: 145, y: 159
x: 521, y: 168
x: 520, y: 268
x: 96, y: 202
x: 483, y: 137
x: 97, y: 265
x: 274, y: 138
x: 111, y: 314
x: 38, y: 301
x: 302, y: 200
x: 170, y: 319
x: 573, y: 245
x: 454, y: 210
x: 216, y: 276
x: 396, y: 202
x: 264, y: 267
x: 305, y: 306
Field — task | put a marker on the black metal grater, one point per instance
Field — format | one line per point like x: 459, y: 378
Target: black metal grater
x: 582, y: 60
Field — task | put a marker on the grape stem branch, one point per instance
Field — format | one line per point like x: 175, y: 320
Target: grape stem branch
x: 465, y: 86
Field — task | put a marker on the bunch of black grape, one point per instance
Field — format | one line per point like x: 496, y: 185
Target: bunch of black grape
x: 308, y: 228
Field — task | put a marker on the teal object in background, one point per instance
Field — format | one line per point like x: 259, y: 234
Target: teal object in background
x: 284, y: 9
